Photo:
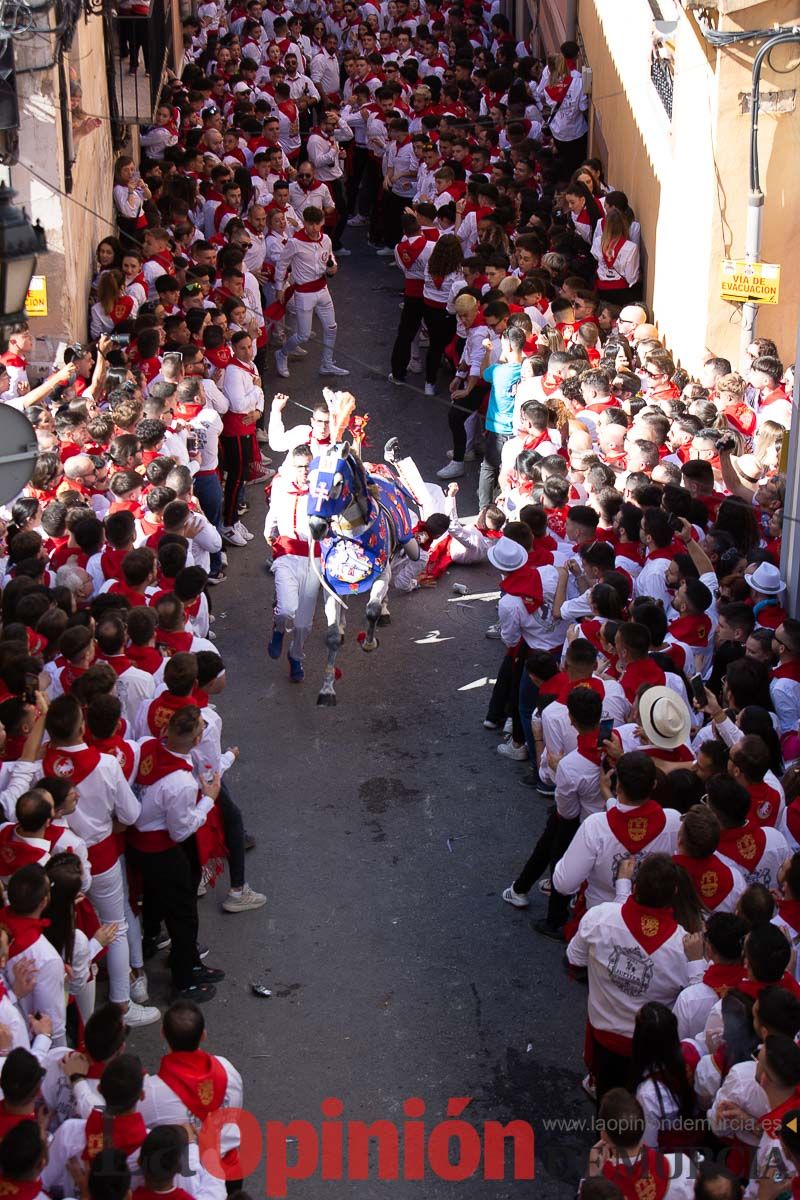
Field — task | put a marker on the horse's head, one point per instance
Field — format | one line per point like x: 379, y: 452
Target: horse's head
x: 333, y: 479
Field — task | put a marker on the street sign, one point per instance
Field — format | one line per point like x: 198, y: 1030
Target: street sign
x: 754, y: 281
x: 36, y: 300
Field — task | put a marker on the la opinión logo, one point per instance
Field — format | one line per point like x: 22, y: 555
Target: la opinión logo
x: 338, y: 1149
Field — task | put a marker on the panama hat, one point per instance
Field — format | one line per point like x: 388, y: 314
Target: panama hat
x: 766, y: 579
x: 507, y: 555
x: 664, y: 717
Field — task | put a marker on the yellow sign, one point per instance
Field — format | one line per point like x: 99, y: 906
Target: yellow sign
x: 36, y: 299
x: 753, y: 281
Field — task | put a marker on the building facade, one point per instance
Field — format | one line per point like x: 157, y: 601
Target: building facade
x: 670, y: 119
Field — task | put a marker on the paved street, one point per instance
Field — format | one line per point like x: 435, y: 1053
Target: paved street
x: 395, y: 968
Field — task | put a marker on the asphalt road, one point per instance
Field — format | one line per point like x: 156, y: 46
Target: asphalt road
x: 387, y: 828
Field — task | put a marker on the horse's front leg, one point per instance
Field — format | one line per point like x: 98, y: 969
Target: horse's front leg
x: 335, y: 618
x: 375, y: 607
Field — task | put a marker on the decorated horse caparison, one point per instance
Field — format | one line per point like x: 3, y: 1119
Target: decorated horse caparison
x: 361, y: 521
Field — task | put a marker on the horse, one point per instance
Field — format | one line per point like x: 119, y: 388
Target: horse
x: 360, y: 521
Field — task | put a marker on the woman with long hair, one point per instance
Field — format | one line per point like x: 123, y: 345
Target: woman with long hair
x: 586, y: 213
x: 618, y: 271
x: 77, y: 951
x: 560, y: 91
x: 130, y: 194
x: 442, y: 272
x: 661, y: 1076
x: 736, y: 517
x: 113, y: 305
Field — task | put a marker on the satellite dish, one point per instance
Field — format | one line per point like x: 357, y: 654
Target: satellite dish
x: 20, y: 451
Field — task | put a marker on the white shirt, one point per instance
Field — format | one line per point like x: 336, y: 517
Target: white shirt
x: 765, y: 869
x: 15, y: 779
x: 172, y: 804
x: 577, y: 787
x: 595, y: 854
x: 48, y: 994
x: 622, y: 974
x: 319, y: 196
x: 104, y: 796
x: 652, y: 581
x: 308, y: 260
x: 161, y: 1106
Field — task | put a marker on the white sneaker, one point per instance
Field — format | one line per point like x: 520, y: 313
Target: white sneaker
x: 493, y: 632
x: 246, y: 900
x: 386, y: 252
x: 430, y: 389
x: 298, y: 352
x: 396, y: 382
x: 332, y: 369
x: 231, y: 535
x: 512, y: 897
x: 243, y: 531
x: 342, y: 253
x: 509, y: 750
x: 282, y: 364
x: 453, y: 470
x: 357, y: 220
x: 137, y: 1014
x: 508, y: 727
x: 139, y: 993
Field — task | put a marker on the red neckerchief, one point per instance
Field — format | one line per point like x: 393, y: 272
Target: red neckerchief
x: 632, y: 550
x: 408, y: 252
x: 119, y: 587
x: 643, y: 670
x: 118, y: 662
x: 635, y: 827
x: 691, y: 629
x: 557, y: 91
x: 197, y: 1079
x: 661, y: 553
x: 721, y: 977
x: 527, y: 584
x: 647, y: 1179
x: 712, y: 878
x: 588, y: 748
x: 146, y: 658
x: 111, y: 561
x: 156, y: 761
x: 162, y: 709
x: 165, y: 259
x: 73, y: 765
x: 771, y: 1121
x: 9, y: 1121
x: 744, y: 845
x: 243, y: 366
x: 788, y: 670
x: 679, y: 754
x: 557, y: 520
x: 22, y: 931
x: 535, y: 440
x: 651, y: 927
x: 20, y: 1189
x: 568, y: 685
x: 611, y: 255
x: 118, y: 748
x: 15, y: 851
x: 754, y: 987
x: 174, y: 642
x: 127, y: 1133
x: 765, y: 803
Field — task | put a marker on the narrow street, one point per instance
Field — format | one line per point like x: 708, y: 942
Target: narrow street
x: 395, y: 968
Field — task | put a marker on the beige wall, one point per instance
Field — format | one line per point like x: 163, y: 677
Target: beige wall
x: 72, y: 231
x: 687, y: 179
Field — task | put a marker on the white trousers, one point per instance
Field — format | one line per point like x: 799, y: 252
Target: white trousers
x: 107, y: 894
x: 306, y: 305
x: 296, y: 590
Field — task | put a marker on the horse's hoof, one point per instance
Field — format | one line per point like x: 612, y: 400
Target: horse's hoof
x: 368, y: 647
x: 326, y: 700
x: 385, y: 619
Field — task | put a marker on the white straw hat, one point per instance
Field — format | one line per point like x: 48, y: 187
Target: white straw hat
x: 507, y: 555
x: 664, y: 717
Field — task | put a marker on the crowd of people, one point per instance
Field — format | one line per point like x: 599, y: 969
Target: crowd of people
x: 633, y: 510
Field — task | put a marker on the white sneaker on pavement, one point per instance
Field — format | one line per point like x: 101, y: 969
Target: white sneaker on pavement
x: 430, y: 389
x: 342, y: 252
x: 282, y: 364
x: 509, y: 750
x: 139, y: 993
x: 493, y: 632
x: 453, y: 470
x: 332, y: 369
x: 357, y: 220
x: 231, y: 535
x: 137, y: 1014
x: 244, y: 901
x: 385, y: 251
x: 243, y: 531
x: 512, y: 897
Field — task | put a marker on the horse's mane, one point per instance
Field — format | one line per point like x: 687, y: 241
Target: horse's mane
x: 341, y: 406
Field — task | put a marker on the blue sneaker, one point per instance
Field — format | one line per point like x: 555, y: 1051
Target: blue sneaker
x: 296, y: 672
x: 275, y: 644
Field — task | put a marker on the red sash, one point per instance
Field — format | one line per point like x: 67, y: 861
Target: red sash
x: 651, y: 927
x: 644, y: 670
x: 765, y: 804
x: 197, y: 1079
x: 527, y: 584
x: 647, y: 1179
x: 744, y: 845
x: 712, y: 878
x: 127, y: 1133
x: 636, y: 827
x: 73, y: 765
